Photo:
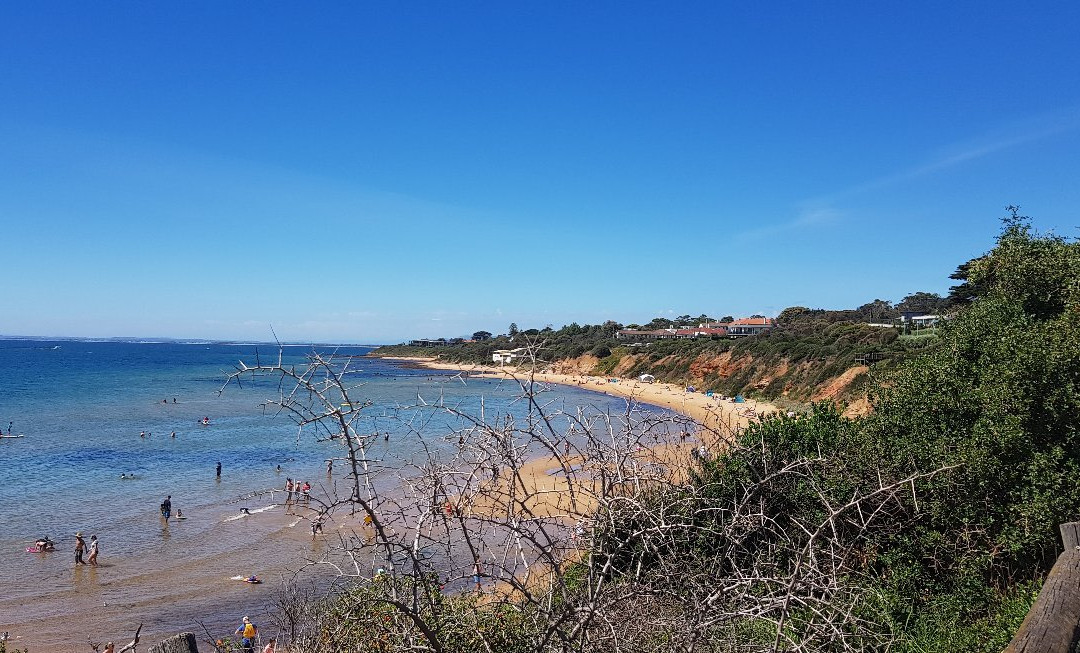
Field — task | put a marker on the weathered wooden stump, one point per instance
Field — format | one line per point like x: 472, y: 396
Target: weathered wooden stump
x: 182, y: 643
x: 1053, y: 623
x: 1070, y: 535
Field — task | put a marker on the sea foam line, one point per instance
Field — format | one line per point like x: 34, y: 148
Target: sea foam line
x: 250, y: 512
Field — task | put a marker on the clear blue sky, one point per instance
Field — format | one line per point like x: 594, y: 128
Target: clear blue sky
x: 372, y: 172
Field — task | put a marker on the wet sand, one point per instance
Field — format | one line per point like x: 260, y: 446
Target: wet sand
x: 186, y: 578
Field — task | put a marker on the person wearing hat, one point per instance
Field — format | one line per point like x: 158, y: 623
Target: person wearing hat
x: 80, y: 546
x: 247, y: 632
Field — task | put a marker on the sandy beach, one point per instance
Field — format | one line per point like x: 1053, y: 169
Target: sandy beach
x: 713, y: 413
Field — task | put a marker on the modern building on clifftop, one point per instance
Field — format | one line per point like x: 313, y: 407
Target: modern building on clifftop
x: 750, y: 326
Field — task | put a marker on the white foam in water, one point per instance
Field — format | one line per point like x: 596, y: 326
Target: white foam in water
x: 250, y: 513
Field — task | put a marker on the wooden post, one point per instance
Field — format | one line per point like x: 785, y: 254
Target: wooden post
x: 1053, y: 623
x: 1070, y: 535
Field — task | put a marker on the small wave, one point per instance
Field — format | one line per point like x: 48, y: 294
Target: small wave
x: 250, y: 512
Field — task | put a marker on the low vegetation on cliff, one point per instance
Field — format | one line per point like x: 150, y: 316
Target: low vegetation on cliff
x: 809, y: 355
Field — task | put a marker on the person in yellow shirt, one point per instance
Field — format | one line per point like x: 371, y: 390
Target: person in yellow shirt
x: 247, y: 632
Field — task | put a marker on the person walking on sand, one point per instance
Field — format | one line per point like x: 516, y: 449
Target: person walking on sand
x: 93, y: 550
x: 80, y: 547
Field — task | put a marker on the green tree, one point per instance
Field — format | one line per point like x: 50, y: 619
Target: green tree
x: 513, y: 328
x: 965, y: 291
x: 481, y: 335
x: 998, y: 399
x: 878, y: 310
x: 990, y: 409
x: 922, y: 302
x: 791, y: 314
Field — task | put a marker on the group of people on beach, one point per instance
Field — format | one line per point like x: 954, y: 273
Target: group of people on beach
x: 302, y: 490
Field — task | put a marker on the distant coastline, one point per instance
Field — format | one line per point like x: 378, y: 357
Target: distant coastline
x: 180, y: 341
x: 714, y: 413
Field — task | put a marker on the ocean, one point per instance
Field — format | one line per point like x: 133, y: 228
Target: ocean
x: 93, y: 411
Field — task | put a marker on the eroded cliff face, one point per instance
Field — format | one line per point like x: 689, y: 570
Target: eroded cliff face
x: 729, y: 373
x: 582, y: 365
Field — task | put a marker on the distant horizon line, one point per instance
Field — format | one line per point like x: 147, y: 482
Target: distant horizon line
x: 182, y: 341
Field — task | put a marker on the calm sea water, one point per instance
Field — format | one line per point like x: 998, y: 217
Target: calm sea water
x: 82, y: 406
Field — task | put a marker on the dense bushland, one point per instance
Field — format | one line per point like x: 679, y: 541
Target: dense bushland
x: 806, y: 349
x: 927, y: 525
x: 953, y: 564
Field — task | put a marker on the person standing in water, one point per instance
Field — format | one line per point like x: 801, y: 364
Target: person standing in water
x: 80, y: 547
x: 93, y: 550
x: 166, y: 508
x: 219, y: 469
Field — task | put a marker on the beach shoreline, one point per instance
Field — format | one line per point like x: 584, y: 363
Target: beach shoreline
x: 178, y: 580
x: 713, y: 413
